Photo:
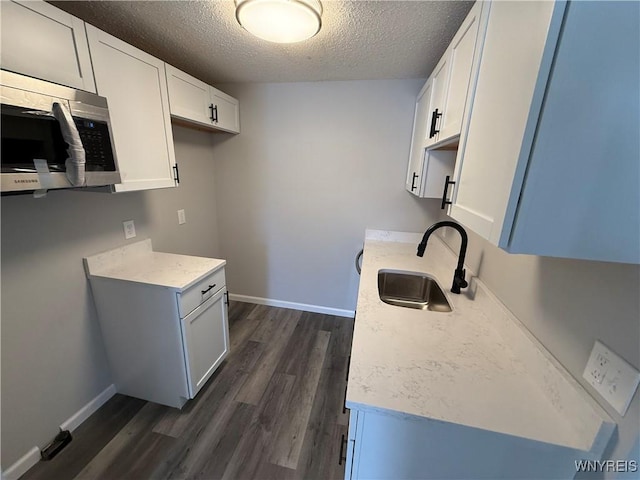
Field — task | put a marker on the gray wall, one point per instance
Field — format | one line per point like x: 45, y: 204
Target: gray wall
x: 315, y: 164
x: 53, y: 360
x: 568, y: 304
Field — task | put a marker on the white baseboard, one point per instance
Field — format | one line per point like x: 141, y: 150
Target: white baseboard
x: 295, y: 306
x: 28, y: 460
x: 89, y: 409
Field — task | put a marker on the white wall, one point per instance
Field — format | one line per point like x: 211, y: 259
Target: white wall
x: 53, y: 360
x: 315, y: 164
x: 568, y: 304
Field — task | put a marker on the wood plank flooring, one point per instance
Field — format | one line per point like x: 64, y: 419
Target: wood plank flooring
x: 273, y: 410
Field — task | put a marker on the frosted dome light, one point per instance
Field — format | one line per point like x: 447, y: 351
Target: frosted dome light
x: 280, y: 21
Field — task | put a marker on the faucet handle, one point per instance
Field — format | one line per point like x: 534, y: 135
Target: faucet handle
x: 459, y: 280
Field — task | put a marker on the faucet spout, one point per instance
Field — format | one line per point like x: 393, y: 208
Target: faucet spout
x: 459, y: 274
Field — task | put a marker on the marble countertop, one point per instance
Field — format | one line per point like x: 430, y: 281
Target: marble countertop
x: 476, y: 366
x: 137, y: 262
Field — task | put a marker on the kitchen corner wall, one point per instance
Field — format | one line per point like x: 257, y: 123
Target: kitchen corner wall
x: 52, y: 356
x: 567, y: 305
x: 315, y: 165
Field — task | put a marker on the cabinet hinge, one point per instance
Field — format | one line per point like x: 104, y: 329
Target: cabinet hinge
x: 176, y: 174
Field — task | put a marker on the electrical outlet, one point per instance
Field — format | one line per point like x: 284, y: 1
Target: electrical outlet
x: 181, y: 217
x: 129, y: 229
x: 612, y: 377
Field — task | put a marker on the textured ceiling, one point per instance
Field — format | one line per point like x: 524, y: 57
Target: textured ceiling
x: 359, y: 39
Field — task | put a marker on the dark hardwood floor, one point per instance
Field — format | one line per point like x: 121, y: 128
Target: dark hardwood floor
x: 274, y: 409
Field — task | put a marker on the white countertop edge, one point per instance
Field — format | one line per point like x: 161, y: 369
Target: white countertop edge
x: 594, y: 454
x: 116, y: 264
x: 567, y: 395
x: 172, y: 287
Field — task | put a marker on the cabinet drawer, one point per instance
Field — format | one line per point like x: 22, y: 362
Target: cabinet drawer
x: 201, y: 291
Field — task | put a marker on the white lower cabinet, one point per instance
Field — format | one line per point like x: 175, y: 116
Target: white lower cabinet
x: 42, y: 41
x: 548, y: 159
x: 206, y: 340
x: 135, y: 85
x: 393, y: 445
x: 163, y: 342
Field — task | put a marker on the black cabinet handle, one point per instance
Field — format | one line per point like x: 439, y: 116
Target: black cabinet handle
x: 344, y: 403
x: 445, y: 201
x: 434, y: 119
x: 211, y: 116
x: 343, y: 443
x: 413, y: 181
x: 176, y: 174
x: 210, y: 287
x: 348, y: 367
x: 214, y: 113
x: 226, y: 295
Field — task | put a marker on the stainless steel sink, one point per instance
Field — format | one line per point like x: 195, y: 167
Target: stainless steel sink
x: 411, y: 290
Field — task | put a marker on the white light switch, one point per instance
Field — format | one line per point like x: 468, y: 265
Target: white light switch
x: 612, y: 377
x: 129, y: 229
x: 181, y: 217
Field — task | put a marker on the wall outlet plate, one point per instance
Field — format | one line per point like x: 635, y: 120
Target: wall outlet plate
x: 612, y: 377
x: 129, y: 229
x: 181, y: 217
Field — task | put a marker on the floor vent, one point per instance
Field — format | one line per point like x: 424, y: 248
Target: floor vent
x: 58, y: 443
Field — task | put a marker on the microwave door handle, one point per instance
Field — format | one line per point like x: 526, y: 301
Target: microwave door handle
x: 75, y: 164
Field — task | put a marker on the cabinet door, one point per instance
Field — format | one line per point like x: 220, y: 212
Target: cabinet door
x: 351, y: 464
x: 205, y: 333
x: 135, y: 85
x: 581, y: 195
x: 189, y: 98
x: 45, y: 42
x: 437, y: 166
x: 226, y: 111
x: 439, y: 85
x: 416, y: 156
x: 516, y: 58
x: 461, y: 57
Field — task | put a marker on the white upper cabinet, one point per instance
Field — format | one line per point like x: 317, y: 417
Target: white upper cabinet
x: 194, y: 101
x: 418, y: 140
x: 45, y: 42
x: 549, y: 162
x: 461, y: 59
x: 135, y: 85
x: 189, y: 98
x: 440, y: 109
x: 226, y: 113
x: 439, y: 84
x: 451, y: 79
x: 520, y: 35
x: 428, y: 169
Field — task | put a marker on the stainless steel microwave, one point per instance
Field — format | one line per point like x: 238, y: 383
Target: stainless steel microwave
x: 53, y: 137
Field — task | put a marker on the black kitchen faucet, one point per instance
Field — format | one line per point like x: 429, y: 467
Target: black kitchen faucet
x: 458, y: 277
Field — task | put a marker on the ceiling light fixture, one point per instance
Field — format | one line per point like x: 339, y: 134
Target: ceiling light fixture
x: 280, y: 21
